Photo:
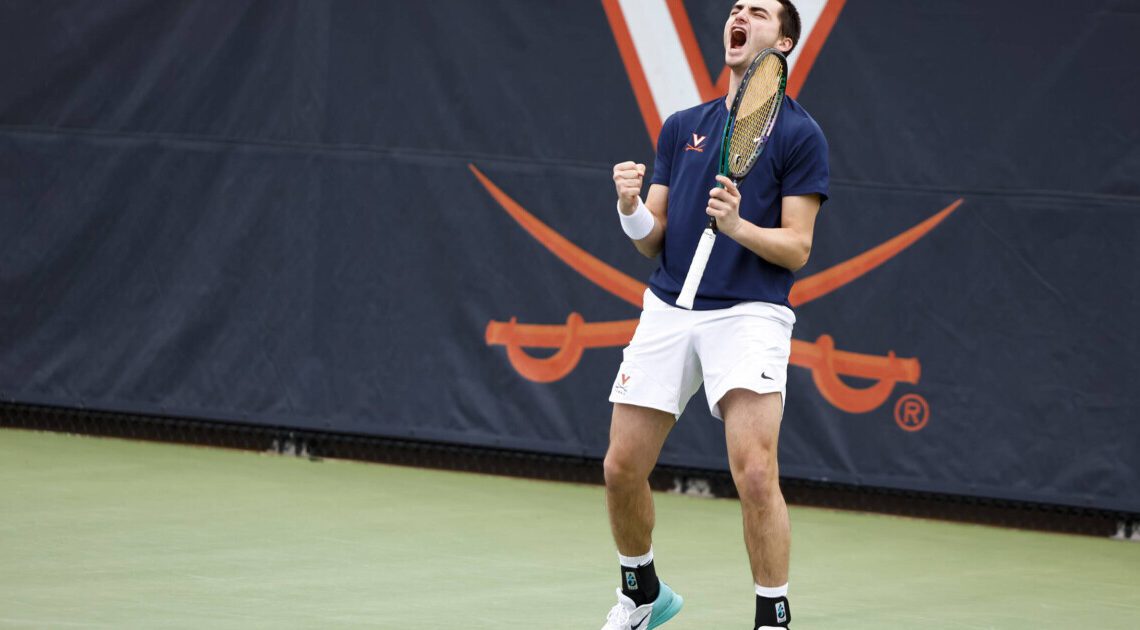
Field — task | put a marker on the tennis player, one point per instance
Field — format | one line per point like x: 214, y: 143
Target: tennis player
x: 736, y: 340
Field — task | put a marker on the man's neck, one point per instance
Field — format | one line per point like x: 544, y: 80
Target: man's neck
x: 736, y: 75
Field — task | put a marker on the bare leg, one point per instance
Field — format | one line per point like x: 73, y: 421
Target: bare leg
x: 636, y: 437
x: 752, y: 429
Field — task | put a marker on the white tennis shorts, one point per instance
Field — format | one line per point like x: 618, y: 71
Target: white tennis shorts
x: 674, y: 350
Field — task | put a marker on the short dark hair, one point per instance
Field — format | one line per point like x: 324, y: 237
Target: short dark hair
x: 790, y: 24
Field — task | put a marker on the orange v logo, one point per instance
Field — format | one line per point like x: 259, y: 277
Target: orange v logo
x: 663, y: 60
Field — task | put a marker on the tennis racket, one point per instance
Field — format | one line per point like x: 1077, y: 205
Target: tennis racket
x: 750, y: 122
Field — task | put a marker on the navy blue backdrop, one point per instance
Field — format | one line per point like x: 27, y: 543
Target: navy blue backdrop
x: 328, y: 215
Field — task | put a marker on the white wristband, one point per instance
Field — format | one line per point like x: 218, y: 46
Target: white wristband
x: 639, y: 224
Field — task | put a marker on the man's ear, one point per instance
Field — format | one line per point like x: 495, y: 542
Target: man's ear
x: 785, y: 44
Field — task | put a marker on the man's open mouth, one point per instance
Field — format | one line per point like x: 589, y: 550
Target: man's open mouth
x: 738, y: 37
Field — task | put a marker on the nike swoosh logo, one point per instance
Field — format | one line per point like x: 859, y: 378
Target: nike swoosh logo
x: 764, y: 375
x: 640, y: 623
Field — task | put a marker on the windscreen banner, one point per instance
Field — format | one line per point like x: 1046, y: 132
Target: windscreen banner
x: 397, y: 219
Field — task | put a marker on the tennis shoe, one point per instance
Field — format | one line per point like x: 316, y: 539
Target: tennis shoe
x: 626, y: 615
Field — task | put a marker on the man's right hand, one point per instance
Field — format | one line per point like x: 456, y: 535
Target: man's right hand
x: 628, y: 178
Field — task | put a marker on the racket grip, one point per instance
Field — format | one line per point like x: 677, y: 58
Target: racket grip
x: 696, y: 270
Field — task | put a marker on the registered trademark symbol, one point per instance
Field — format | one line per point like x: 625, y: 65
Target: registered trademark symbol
x: 912, y: 412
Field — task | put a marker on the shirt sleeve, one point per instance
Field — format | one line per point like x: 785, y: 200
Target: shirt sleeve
x: 807, y: 169
x: 666, y: 146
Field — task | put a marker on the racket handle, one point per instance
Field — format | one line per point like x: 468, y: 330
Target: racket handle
x: 696, y: 270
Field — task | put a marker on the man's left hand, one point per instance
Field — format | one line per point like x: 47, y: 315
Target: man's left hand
x: 724, y: 205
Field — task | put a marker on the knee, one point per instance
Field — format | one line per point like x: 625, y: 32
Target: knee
x: 758, y: 481
x: 621, y: 472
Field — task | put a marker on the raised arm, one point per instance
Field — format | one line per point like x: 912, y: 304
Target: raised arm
x: 650, y: 226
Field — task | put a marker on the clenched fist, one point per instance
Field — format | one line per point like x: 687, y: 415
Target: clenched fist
x: 628, y: 178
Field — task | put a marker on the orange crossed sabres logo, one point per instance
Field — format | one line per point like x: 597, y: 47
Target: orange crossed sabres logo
x: 826, y: 362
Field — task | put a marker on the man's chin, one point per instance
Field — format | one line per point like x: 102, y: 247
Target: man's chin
x: 738, y: 61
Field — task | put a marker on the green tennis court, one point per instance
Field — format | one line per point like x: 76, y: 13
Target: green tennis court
x: 100, y: 533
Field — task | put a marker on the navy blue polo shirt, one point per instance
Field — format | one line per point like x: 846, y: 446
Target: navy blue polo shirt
x: 794, y: 162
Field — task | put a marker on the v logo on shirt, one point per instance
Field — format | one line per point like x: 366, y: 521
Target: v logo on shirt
x: 695, y: 145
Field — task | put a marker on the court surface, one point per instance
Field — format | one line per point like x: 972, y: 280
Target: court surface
x: 101, y: 533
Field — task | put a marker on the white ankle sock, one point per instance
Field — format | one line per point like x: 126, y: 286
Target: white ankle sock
x: 772, y: 592
x: 634, y: 562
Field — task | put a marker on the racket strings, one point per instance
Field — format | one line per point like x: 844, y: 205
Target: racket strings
x: 758, y: 107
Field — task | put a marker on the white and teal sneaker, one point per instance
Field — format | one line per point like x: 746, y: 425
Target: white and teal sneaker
x: 626, y: 615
